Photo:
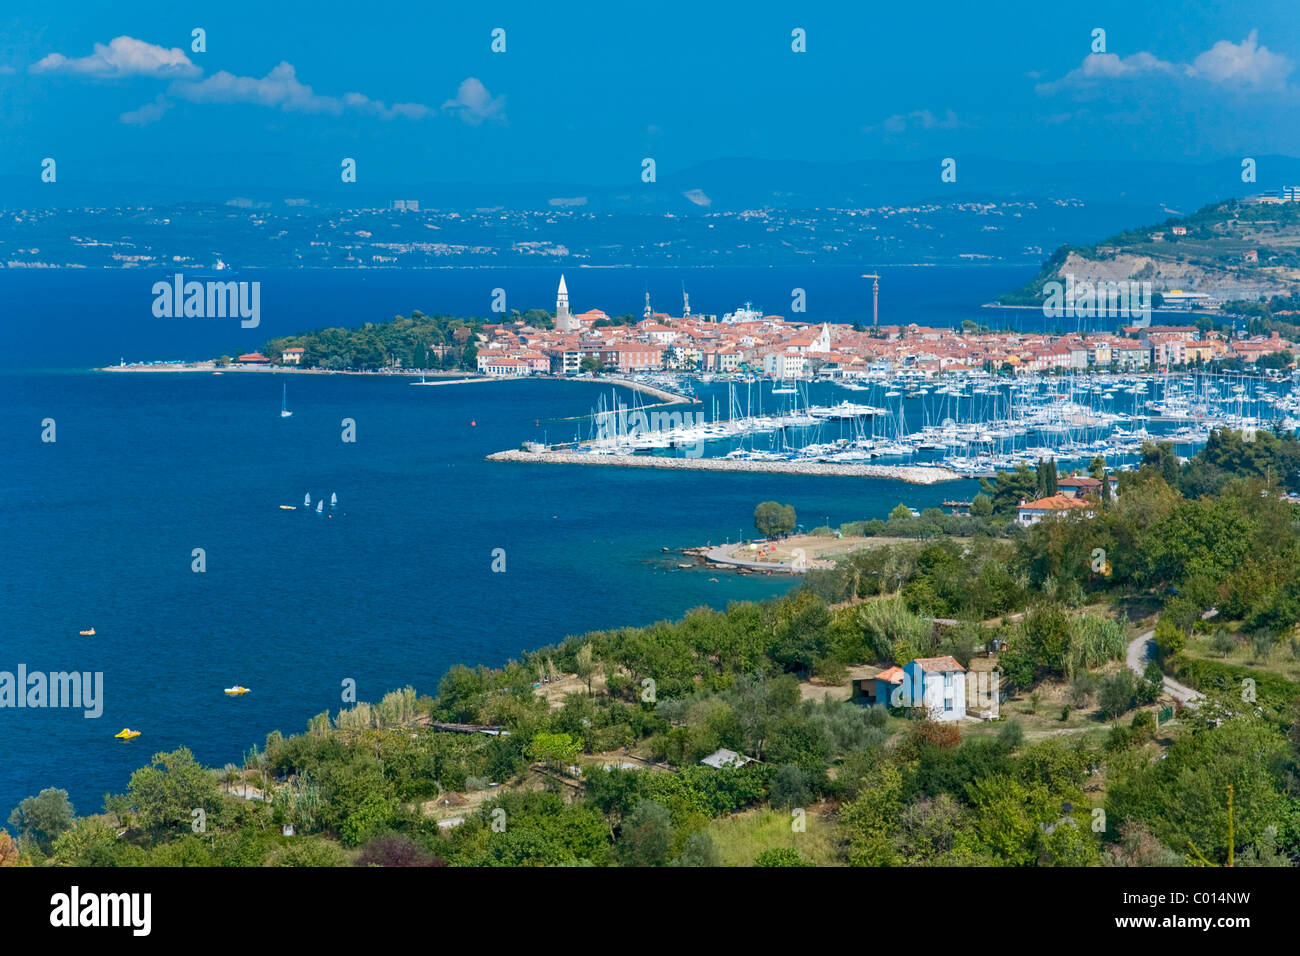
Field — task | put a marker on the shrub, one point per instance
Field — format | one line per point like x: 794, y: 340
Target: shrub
x: 394, y: 849
x: 1117, y: 693
x: 781, y: 857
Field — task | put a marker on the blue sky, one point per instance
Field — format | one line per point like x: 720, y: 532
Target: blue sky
x: 585, y: 90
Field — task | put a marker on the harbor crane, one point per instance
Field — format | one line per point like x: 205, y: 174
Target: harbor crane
x: 875, y: 298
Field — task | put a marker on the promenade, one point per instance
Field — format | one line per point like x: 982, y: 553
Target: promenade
x: 913, y: 474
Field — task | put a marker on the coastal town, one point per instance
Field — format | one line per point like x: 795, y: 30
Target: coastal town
x: 751, y: 342
x: 748, y: 340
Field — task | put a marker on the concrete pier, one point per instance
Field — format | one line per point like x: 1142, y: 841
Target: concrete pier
x: 910, y: 473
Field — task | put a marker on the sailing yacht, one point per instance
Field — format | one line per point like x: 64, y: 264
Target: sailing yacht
x: 306, y: 500
x: 284, y: 397
x: 320, y: 506
x: 334, y: 500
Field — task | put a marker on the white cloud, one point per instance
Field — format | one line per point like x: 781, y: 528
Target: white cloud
x: 149, y: 113
x: 6, y: 69
x: 698, y: 196
x: 124, y: 56
x: 1246, y: 63
x: 407, y: 110
x: 1097, y: 67
x: 474, y: 104
x: 920, y: 119
x: 279, y: 88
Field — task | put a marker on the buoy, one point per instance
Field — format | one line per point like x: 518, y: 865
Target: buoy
x: 127, y: 733
x: 473, y: 424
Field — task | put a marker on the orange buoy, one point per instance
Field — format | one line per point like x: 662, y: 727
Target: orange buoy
x: 473, y: 424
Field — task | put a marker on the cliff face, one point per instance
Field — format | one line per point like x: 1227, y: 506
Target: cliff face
x: 1168, y: 274
x: 1230, y: 250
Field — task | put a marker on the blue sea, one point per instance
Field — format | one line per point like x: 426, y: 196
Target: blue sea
x: 392, y: 587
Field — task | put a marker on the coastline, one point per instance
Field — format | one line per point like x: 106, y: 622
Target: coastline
x: 911, y: 474
x: 265, y: 369
x: 440, y: 377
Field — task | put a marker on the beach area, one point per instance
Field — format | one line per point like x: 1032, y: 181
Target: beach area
x: 794, y: 554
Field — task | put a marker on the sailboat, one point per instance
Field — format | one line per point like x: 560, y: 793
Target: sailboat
x: 320, y: 506
x: 306, y: 500
x: 284, y: 408
x: 334, y: 500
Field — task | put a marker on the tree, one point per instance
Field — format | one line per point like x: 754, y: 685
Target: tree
x: 590, y: 363
x: 165, y: 794
x: 1117, y: 693
x: 1009, y: 488
x: 584, y: 665
x: 790, y: 787
x: 8, y: 850
x: 1183, y: 799
x: 44, y: 817
x: 773, y: 519
x: 981, y: 506
x: 870, y: 821
x: 699, y: 850
x: 646, y: 835
x: 1169, y: 638
x: 1222, y: 642
x: 555, y: 750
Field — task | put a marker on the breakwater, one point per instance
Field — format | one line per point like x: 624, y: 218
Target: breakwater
x: 910, y: 473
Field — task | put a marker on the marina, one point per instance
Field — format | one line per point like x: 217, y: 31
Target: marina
x: 968, y: 424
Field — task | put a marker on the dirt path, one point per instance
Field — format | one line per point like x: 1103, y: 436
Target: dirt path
x: 1139, y: 651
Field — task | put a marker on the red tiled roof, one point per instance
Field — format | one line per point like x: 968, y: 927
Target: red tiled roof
x: 937, y: 665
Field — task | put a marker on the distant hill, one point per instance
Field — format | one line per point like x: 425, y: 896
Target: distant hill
x: 1230, y: 250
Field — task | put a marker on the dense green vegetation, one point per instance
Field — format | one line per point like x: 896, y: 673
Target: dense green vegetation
x: 414, y: 342
x: 604, y: 767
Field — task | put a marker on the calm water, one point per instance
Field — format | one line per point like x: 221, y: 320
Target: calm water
x: 91, y: 318
x: 395, y: 587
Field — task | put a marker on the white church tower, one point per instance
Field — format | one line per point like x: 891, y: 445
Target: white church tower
x: 564, y: 321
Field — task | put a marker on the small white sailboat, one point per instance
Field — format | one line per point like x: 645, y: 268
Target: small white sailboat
x: 306, y: 500
x: 320, y: 506
x: 334, y: 500
x: 284, y: 397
